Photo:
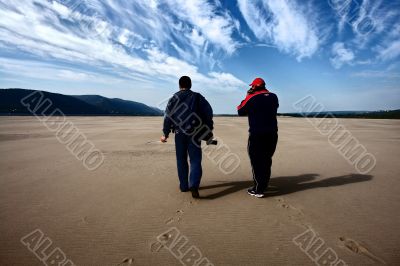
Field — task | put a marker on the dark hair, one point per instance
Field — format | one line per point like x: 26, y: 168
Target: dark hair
x: 185, y: 82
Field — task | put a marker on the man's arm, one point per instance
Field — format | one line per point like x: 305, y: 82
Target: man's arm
x: 242, y: 109
x: 277, y: 101
x: 207, y: 113
x: 168, y: 123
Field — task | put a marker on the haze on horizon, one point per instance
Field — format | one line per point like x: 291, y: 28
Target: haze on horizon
x: 136, y: 50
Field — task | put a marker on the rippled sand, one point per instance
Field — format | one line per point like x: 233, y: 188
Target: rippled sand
x: 114, y: 214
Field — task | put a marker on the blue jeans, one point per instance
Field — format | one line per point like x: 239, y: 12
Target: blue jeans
x: 185, y: 146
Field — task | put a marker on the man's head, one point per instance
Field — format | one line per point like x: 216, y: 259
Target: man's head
x: 185, y: 83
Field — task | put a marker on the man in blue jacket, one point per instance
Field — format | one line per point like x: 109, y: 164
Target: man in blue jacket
x: 190, y: 116
x: 261, y: 107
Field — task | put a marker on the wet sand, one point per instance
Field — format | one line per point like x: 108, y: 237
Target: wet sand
x: 115, y: 213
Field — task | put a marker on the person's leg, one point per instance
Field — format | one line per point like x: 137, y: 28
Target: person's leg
x: 258, y: 158
x: 181, y: 147
x: 270, y: 146
x: 195, y: 157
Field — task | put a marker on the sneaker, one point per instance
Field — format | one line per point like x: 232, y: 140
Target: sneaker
x: 195, y: 193
x: 253, y: 192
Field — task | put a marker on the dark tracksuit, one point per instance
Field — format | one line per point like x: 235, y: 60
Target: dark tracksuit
x: 179, y: 118
x: 261, y: 110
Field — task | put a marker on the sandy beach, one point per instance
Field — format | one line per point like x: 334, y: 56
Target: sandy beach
x: 115, y: 214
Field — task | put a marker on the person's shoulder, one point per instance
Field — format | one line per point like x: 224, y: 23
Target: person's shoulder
x: 264, y: 97
x: 175, y: 97
x: 273, y: 95
x: 199, y: 95
x: 177, y: 93
x: 196, y: 93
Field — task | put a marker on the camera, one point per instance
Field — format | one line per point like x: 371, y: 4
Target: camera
x: 212, y: 142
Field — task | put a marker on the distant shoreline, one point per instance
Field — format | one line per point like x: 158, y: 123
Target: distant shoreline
x: 224, y: 115
x: 11, y: 104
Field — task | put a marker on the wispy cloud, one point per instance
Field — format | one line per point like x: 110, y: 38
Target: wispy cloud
x: 389, y: 73
x: 341, y: 55
x: 383, y: 40
x: 44, y: 71
x: 389, y: 49
x: 376, y: 74
x: 283, y: 24
x: 217, y: 28
x: 128, y: 45
x: 145, y: 45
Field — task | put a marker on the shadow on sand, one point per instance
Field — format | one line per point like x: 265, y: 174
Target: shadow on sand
x: 287, y: 184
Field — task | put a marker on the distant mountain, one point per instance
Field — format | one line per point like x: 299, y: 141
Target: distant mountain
x: 10, y: 104
x: 117, y: 106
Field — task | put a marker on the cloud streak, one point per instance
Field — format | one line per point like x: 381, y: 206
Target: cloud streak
x: 283, y: 24
x: 128, y: 48
x: 47, y: 30
x: 383, y: 42
x: 341, y: 55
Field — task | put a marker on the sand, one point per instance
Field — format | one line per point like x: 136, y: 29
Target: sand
x: 115, y: 213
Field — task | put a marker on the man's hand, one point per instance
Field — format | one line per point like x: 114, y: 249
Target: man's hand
x: 163, y: 139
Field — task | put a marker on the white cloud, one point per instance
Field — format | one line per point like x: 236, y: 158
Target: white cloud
x: 382, y: 15
x: 226, y: 80
x: 390, y: 73
x: 283, y: 24
x: 383, y: 39
x: 390, y: 47
x: 45, y: 71
x: 217, y: 28
x: 341, y: 55
x: 376, y: 74
x: 390, y: 51
x: 138, y: 53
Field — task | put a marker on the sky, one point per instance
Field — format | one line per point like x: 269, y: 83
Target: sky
x: 346, y: 53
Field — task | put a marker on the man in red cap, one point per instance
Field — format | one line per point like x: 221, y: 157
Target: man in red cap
x: 261, y: 107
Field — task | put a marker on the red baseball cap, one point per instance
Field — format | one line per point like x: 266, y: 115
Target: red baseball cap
x: 257, y: 82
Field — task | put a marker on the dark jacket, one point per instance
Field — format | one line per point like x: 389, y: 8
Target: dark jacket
x: 187, y: 111
x: 261, y: 110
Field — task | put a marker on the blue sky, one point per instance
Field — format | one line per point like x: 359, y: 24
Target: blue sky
x: 344, y: 52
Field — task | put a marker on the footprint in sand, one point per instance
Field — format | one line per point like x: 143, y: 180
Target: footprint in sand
x: 295, y: 214
x: 176, y: 217
x: 358, y: 248
x: 283, y: 204
x: 157, y: 246
x: 169, y: 220
x: 85, y: 220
